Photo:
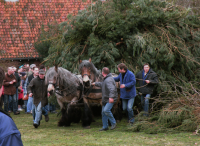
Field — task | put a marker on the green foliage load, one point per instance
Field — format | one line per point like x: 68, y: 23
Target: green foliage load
x: 133, y: 32
x: 129, y: 31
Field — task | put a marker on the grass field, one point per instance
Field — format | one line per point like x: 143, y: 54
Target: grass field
x: 49, y: 134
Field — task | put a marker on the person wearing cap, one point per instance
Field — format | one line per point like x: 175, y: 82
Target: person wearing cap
x: 38, y: 90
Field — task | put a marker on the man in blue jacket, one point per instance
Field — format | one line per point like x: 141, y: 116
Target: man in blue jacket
x: 9, y: 134
x: 127, y: 89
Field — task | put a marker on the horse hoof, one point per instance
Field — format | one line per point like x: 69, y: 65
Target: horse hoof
x: 87, y: 127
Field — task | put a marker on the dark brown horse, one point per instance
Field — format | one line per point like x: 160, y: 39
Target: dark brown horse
x: 92, y: 94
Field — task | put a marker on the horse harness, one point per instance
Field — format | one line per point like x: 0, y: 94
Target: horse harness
x: 89, y: 90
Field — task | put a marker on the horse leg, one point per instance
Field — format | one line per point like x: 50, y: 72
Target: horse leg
x: 75, y: 113
x: 87, y: 115
x: 65, y: 118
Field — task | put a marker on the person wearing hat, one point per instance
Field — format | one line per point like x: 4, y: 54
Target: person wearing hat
x: 38, y: 90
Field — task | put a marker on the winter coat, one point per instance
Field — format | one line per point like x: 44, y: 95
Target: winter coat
x: 10, y: 135
x: 26, y: 83
x: 152, y: 77
x: 18, y: 80
x: 39, y: 89
x: 9, y: 89
x: 30, y: 77
x: 129, y: 81
x: 109, y: 89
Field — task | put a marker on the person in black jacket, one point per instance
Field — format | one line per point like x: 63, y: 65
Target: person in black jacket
x: 38, y: 90
x: 147, y: 79
x: 18, y: 81
x: 109, y: 97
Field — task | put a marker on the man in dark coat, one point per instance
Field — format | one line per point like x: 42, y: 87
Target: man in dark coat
x: 109, y: 97
x: 147, y: 79
x: 10, y: 90
x: 127, y: 90
x: 38, y: 90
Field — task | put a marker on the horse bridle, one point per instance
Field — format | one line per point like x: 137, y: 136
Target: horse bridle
x: 56, y: 84
x: 86, y: 75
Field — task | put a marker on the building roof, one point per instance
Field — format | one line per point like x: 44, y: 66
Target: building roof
x: 20, y: 23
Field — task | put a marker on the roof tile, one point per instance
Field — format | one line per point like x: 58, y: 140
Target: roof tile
x: 20, y: 23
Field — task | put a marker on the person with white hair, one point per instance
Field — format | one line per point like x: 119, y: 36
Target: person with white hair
x: 10, y: 90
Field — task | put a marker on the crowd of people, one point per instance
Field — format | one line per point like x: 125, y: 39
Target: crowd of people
x: 147, y: 79
x: 17, y: 96
x: 29, y: 81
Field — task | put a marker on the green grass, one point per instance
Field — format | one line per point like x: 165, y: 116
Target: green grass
x: 49, y: 134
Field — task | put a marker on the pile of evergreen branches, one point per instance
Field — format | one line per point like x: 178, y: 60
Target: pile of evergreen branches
x: 134, y: 32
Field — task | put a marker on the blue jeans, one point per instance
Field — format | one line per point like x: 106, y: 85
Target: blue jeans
x: 38, y: 113
x: 127, y: 104
x: 107, y: 115
x: 29, y: 104
x: 17, y: 97
x: 10, y: 104
x: 51, y: 107
x: 145, y: 103
x: 44, y: 111
x: 14, y: 102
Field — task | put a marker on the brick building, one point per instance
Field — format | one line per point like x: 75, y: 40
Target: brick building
x: 20, y: 24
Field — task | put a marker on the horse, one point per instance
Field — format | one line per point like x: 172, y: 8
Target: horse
x: 68, y: 89
x: 93, y: 94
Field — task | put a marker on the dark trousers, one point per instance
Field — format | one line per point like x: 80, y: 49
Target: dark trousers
x: 14, y: 102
